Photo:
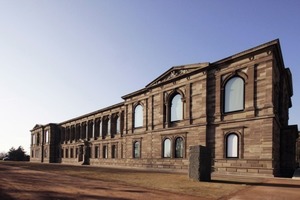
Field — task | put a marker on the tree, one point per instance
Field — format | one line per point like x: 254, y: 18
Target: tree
x: 2, y: 155
x: 17, y: 154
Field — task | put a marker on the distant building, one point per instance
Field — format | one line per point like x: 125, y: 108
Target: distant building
x: 237, y: 107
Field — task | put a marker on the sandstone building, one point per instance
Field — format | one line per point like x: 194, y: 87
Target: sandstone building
x: 237, y: 107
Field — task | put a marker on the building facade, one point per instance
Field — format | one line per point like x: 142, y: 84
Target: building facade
x: 237, y: 107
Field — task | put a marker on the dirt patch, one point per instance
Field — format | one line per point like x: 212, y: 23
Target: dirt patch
x: 23, y: 180
x: 20, y: 183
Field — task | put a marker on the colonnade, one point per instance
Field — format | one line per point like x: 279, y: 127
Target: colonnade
x: 98, y: 128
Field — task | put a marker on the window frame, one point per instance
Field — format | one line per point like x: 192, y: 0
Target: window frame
x: 135, y: 119
x: 175, y: 148
x: 173, y: 139
x: 100, y: 128
x: 46, y: 136
x: 105, y: 151
x: 33, y: 139
x: 237, y: 146
x: 225, y: 94
x: 139, y: 149
x: 66, y: 153
x: 108, y: 129
x: 71, y: 152
x: 171, y: 107
x: 164, y: 148
x: 118, y: 125
x: 96, y: 151
x: 114, y: 151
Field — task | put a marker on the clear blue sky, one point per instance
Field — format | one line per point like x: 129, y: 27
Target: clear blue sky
x: 62, y: 59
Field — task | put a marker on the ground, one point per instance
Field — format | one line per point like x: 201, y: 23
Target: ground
x: 23, y: 180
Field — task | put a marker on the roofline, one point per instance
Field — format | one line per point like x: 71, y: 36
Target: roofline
x: 43, y: 126
x: 248, y: 51
x: 206, y: 65
x: 203, y: 65
x: 134, y: 93
x: 149, y: 86
x: 219, y: 62
x: 93, y: 113
x: 80, y: 117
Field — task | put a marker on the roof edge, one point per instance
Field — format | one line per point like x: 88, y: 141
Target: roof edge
x: 256, y: 48
x: 93, y: 113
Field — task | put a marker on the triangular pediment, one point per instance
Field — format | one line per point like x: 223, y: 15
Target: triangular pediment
x: 37, y: 126
x: 176, y: 72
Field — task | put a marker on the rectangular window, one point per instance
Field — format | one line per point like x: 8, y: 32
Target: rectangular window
x: 71, y: 153
x: 100, y: 129
x: 104, y: 151
x: 108, y: 127
x: 67, y: 153
x: 33, y: 139
x: 114, y: 151
x: 46, y: 152
x: 118, y: 124
x: 38, y: 139
x: 96, y: 151
x: 37, y: 153
x: 46, y: 136
x: 136, y: 149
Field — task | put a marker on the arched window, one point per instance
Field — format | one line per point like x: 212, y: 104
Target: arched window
x: 179, y: 147
x: 118, y: 125
x: 137, y: 149
x: 234, y: 95
x: 232, y: 145
x: 176, y: 108
x: 138, y: 116
x: 167, y: 148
